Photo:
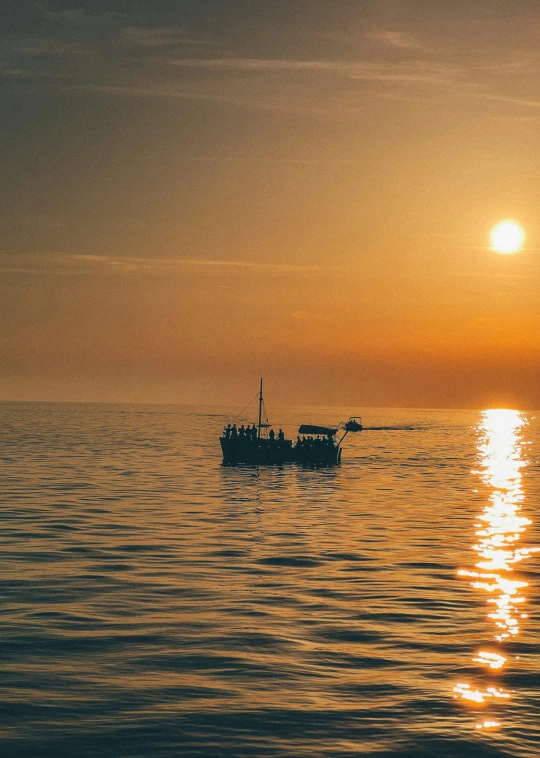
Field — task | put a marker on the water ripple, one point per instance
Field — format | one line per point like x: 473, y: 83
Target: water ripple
x: 155, y: 603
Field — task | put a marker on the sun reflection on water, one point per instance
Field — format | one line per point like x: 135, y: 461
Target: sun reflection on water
x: 500, y: 528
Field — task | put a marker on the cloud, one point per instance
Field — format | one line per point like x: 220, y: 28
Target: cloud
x: 398, y: 40
x: 267, y: 65
x: 143, y: 61
x: 278, y: 161
x: 158, y: 90
x: 259, y: 101
x: 87, y: 257
x: 223, y: 85
x: 160, y: 37
x: 75, y: 15
x: 44, y: 46
x: 415, y: 71
x: 65, y: 263
x: 526, y: 63
x: 170, y: 264
x: 535, y: 104
x: 20, y: 73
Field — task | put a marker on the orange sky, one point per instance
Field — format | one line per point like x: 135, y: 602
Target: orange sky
x: 194, y: 198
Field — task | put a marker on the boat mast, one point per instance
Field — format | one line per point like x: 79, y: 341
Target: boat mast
x: 260, y: 408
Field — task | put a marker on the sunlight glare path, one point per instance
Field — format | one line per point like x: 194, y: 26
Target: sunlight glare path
x: 500, y: 527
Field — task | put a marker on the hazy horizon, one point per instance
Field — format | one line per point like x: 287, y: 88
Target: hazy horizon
x: 234, y: 407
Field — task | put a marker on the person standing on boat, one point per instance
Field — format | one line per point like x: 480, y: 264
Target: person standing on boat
x: 271, y: 435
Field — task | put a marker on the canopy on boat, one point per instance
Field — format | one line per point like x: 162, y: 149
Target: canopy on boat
x: 309, y: 429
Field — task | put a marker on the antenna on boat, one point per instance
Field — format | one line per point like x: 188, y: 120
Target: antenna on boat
x: 260, y: 408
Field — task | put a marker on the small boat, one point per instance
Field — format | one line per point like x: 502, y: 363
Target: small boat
x: 258, y: 444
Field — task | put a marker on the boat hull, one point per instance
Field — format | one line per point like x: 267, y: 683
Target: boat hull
x: 263, y: 452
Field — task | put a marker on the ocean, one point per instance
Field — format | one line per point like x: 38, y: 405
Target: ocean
x: 156, y: 604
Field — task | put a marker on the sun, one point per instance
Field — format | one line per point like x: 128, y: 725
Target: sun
x: 507, y: 237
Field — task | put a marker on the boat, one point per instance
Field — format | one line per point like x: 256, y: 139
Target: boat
x: 258, y: 444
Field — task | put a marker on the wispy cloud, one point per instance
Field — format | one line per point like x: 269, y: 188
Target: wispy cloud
x: 45, y: 46
x: 517, y: 64
x: 266, y: 65
x: 160, y: 37
x: 524, y: 102
x: 272, y: 161
x: 168, y: 264
x: 75, y: 15
x: 128, y: 59
x: 20, y: 73
x: 173, y: 91
x: 412, y: 82
x: 87, y: 263
x: 396, y: 39
x: 415, y: 71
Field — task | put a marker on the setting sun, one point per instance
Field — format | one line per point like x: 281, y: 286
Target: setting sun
x: 507, y: 237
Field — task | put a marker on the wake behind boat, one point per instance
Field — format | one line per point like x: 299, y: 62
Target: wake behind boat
x: 258, y: 444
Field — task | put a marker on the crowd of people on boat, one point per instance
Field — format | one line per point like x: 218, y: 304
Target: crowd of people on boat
x: 314, y: 445
x: 251, y: 433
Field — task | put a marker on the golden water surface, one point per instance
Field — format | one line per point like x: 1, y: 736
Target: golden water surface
x: 155, y: 604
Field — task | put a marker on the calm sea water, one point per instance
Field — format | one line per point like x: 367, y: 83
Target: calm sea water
x: 157, y: 604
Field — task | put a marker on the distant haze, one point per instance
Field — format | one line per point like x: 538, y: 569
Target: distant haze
x: 197, y: 194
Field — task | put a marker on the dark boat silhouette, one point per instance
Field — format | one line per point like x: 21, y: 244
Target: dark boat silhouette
x: 258, y: 445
